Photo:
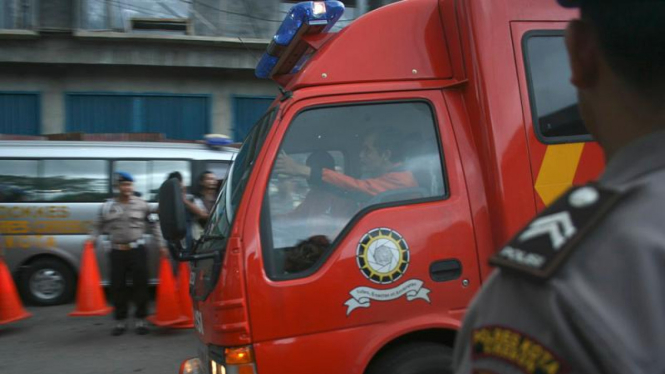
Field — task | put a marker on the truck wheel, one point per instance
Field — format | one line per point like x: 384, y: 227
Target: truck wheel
x: 414, y: 358
x: 47, y: 281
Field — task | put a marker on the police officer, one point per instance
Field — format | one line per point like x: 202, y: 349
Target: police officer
x: 582, y: 288
x: 125, y: 219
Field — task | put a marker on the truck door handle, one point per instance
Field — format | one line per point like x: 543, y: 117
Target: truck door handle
x: 445, y: 270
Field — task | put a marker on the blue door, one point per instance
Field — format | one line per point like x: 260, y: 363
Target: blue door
x: 19, y: 113
x: 246, y: 111
x: 100, y: 113
x: 175, y: 116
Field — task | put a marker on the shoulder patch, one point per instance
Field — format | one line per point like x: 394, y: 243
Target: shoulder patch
x: 523, y: 352
x: 106, y: 207
x: 544, y: 245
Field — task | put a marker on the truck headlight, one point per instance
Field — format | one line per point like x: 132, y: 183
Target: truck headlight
x: 216, y: 368
x: 192, y: 366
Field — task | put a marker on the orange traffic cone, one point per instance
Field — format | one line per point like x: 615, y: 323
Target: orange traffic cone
x: 90, y: 299
x: 10, y: 305
x: 186, y: 306
x: 167, y: 310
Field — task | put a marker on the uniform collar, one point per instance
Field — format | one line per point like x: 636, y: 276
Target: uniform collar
x: 131, y: 200
x: 642, y: 156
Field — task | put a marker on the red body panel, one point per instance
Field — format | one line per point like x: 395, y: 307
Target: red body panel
x: 464, y: 58
x: 415, y: 30
x: 591, y: 159
x: 312, y: 308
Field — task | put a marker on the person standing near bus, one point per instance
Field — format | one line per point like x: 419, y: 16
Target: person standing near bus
x: 125, y: 220
x: 207, y: 193
x: 195, y: 210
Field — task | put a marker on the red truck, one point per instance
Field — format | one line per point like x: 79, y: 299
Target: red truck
x: 356, y: 223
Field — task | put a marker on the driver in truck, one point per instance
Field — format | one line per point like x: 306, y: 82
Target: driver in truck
x: 381, y: 157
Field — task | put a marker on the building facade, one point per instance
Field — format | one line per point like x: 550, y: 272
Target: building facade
x: 183, y: 68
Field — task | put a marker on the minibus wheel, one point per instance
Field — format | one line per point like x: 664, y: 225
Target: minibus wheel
x: 47, y: 281
x: 414, y: 358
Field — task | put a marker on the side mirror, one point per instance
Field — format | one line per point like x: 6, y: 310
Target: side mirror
x: 172, y: 211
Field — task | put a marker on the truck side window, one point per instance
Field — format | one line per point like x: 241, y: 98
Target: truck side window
x: 335, y: 162
x: 19, y: 180
x: 556, y: 115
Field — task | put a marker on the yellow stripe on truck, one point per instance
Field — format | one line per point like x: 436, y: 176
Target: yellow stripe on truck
x: 558, y: 170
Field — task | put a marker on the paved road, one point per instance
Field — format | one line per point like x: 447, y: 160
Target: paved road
x: 52, y: 342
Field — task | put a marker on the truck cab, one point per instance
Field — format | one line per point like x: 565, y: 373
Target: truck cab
x: 357, y: 220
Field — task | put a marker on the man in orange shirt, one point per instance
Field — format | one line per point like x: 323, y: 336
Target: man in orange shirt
x: 381, y: 159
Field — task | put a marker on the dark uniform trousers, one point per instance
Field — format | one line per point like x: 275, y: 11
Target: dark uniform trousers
x: 132, y: 261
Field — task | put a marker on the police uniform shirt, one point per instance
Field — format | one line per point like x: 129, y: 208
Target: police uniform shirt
x: 126, y: 223
x: 602, y: 310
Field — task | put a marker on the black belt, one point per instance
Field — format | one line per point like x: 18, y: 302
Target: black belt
x: 127, y: 246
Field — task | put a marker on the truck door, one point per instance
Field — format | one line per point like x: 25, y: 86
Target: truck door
x: 561, y: 150
x: 365, y: 230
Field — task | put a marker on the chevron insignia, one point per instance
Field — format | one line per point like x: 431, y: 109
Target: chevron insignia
x: 544, y: 245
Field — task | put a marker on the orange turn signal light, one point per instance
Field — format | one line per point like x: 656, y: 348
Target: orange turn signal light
x: 239, y: 355
x: 246, y: 369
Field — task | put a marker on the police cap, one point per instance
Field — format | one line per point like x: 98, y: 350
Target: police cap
x: 124, y: 176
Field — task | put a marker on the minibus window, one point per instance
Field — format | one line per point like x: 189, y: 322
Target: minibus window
x: 556, y: 115
x: 19, y: 180
x: 139, y: 170
x: 149, y: 175
x: 161, y: 169
x: 220, y: 169
x: 335, y: 162
x: 74, y: 180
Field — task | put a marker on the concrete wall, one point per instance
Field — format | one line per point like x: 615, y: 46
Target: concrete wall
x: 252, y: 19
x: 56, y: 14
x: 132, y: 49
x: 61, y: 58
x: 232, y: 18
x: 54, y: 81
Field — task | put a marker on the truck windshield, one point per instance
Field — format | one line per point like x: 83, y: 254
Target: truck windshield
x: 206, y: 272
x: 221, y: 217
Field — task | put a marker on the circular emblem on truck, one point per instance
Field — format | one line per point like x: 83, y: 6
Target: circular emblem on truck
x: 383, y: 255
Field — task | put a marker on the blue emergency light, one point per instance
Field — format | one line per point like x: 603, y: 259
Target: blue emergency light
x: 216, y: 140
x: 287, y: 49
